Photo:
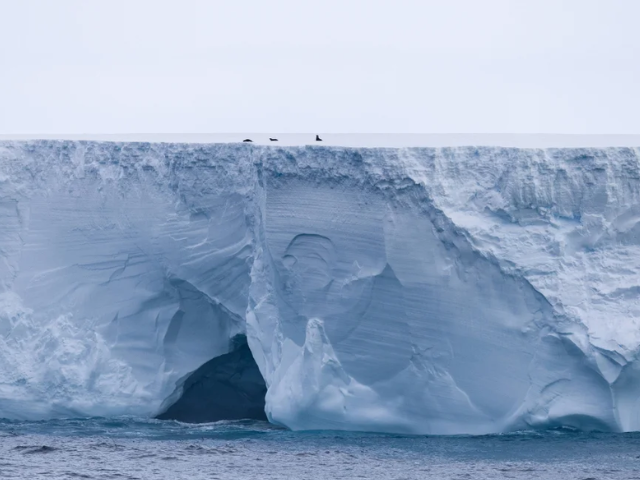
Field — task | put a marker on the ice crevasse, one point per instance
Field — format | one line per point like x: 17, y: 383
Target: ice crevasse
x: 411, y: 290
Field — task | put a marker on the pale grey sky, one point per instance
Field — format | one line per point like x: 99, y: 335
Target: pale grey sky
x: 129, y: 66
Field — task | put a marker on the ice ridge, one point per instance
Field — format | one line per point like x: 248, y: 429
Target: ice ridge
x: 414, y: 290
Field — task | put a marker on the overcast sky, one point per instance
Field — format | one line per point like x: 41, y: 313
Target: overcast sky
x: 490, y: 66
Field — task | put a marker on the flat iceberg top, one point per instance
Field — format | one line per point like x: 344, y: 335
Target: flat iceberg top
x: 422, y: 290
x: 361, y: 139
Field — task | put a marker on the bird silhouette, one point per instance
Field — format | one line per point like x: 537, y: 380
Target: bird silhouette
x: 318, y: 139
x: 273, y: 139
x: 247, y: 140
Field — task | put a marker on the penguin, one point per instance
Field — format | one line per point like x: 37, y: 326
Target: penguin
x: 273, y: 139
x: 318, y: 139
x: 247, y: 140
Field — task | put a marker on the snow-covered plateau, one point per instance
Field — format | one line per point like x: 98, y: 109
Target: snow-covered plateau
x: 412, y: 290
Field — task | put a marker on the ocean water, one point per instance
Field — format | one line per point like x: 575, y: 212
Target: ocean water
x: 130, y: 448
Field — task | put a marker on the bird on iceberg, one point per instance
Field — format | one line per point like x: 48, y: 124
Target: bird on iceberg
x: 318, y: 139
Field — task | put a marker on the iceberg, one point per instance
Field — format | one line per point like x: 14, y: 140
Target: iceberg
x: 449, y: 290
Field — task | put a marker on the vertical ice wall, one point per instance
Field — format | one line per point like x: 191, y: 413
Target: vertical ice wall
x: 455, y: 290
x: 386, y: 315
x: 125, y: 267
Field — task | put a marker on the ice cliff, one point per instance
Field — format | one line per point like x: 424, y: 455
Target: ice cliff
x: 448, y: 290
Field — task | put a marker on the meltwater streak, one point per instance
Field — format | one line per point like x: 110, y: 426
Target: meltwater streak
x: 406, y: 290
x: 138, y: 449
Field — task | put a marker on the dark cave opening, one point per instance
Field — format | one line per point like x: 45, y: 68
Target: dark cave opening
x: 228, y: 387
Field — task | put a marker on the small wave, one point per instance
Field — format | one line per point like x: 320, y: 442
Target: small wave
x: 29, y: 449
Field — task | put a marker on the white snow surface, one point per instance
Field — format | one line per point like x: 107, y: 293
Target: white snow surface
x: 413, y: 290
x: 519, y: 140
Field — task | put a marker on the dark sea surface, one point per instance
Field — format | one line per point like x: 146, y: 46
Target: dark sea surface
x: 130, y: 448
